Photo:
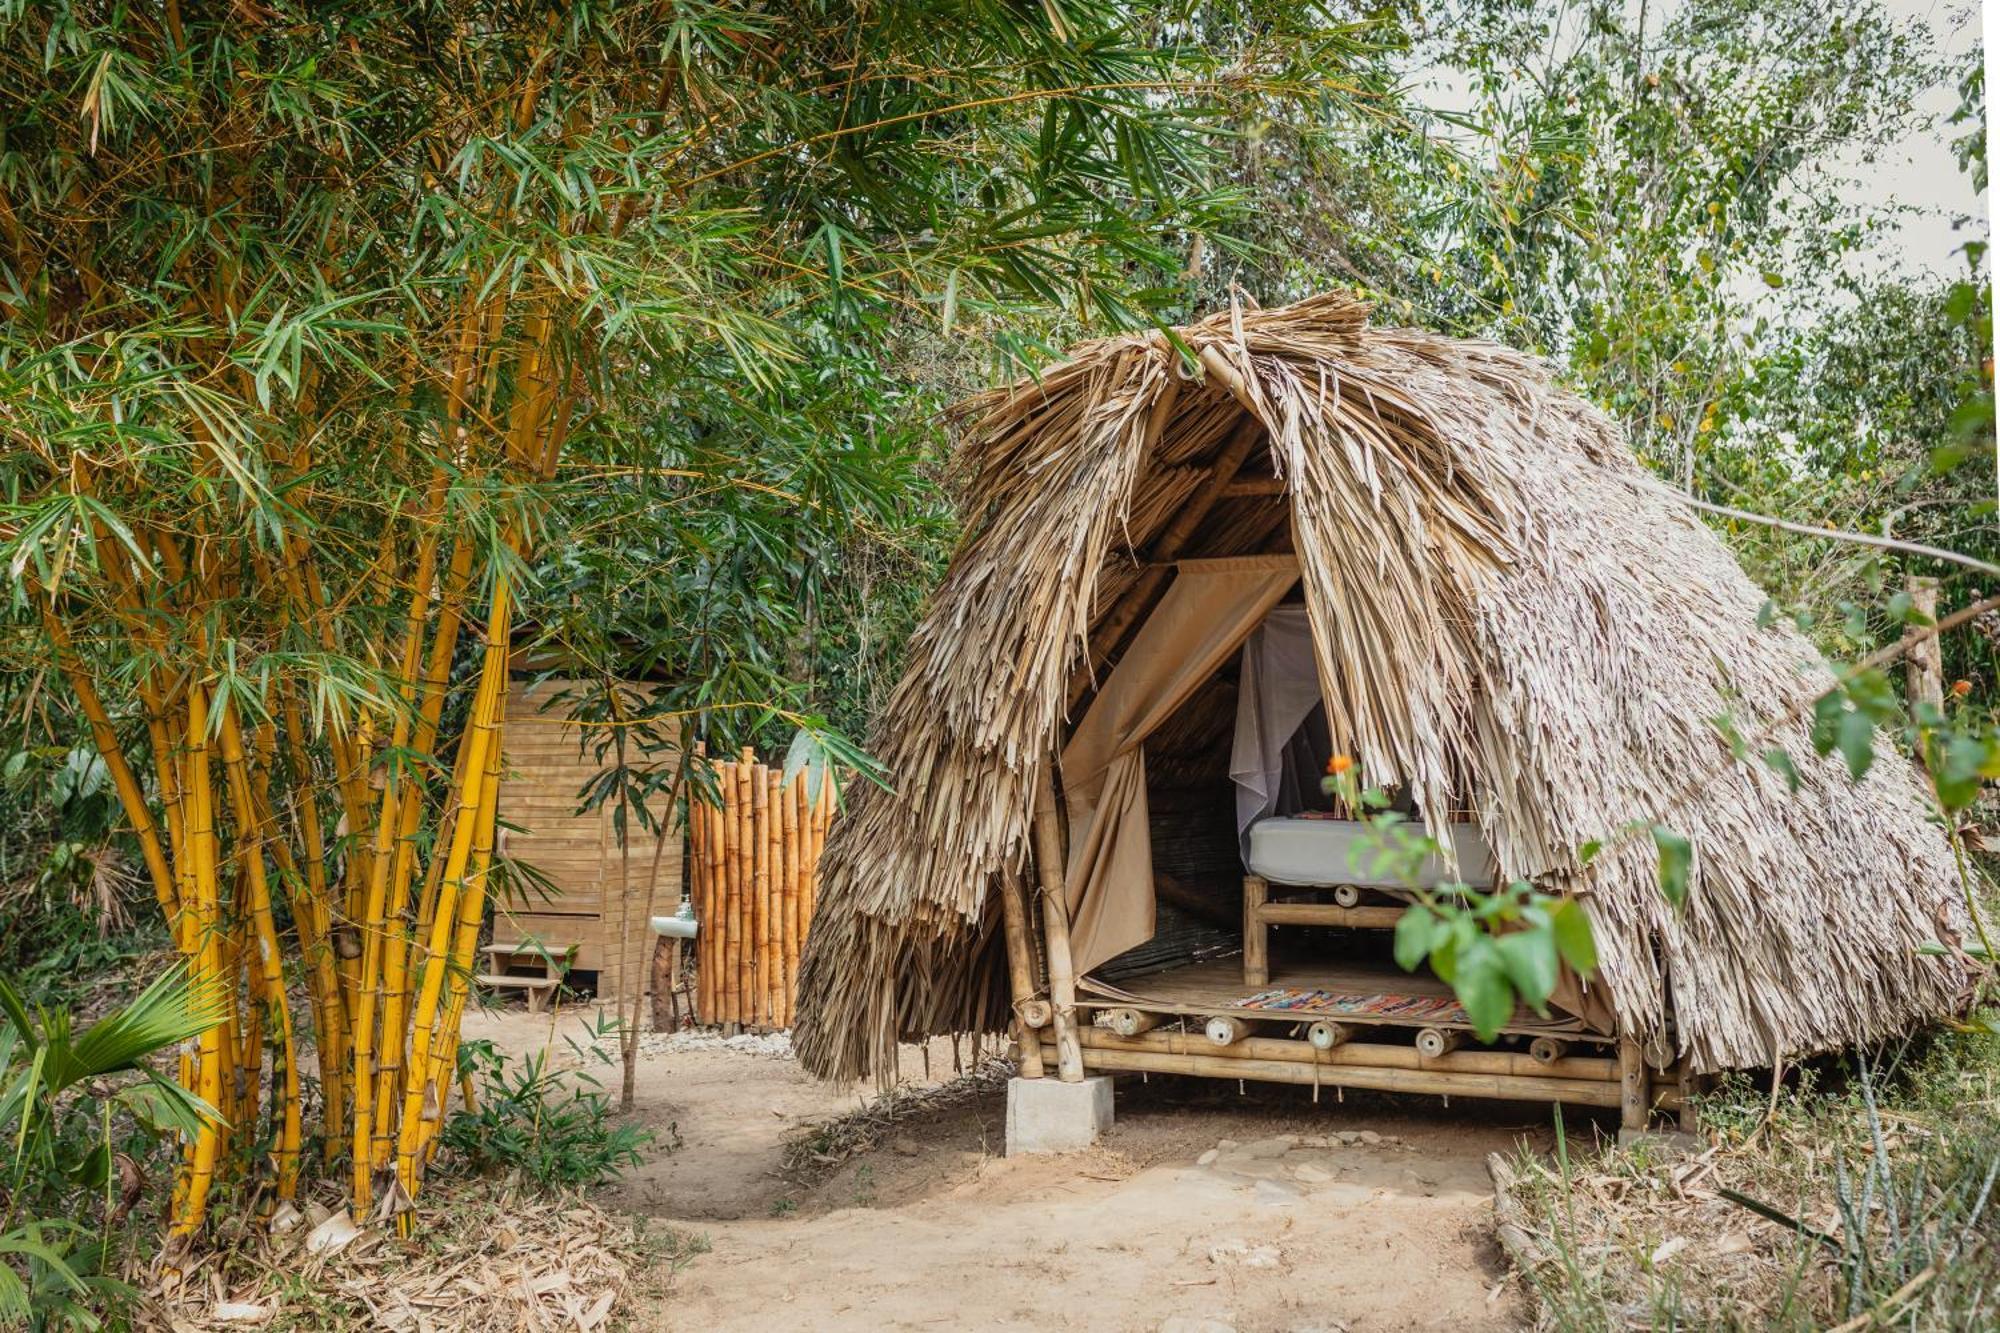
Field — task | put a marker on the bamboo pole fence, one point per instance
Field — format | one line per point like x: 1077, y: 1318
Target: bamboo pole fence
x: 753, y: 867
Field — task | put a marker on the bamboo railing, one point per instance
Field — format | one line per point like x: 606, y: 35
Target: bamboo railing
x: 753, y: 875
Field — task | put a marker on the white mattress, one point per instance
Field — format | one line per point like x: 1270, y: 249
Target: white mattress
x: 1324, y: 852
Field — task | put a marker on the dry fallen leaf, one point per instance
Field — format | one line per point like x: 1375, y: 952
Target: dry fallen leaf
x: 239, y: 1312
x: 333, y: 1235
x: 1668, y: 1249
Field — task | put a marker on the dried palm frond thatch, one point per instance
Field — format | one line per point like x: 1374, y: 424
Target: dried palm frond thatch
x: 1512, y: 617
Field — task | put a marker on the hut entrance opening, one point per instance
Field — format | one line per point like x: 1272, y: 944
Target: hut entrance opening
x: 1209, y: 874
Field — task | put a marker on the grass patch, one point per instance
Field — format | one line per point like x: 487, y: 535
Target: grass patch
x: 1863, y: 1195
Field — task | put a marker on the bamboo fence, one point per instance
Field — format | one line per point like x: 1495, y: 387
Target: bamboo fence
x: 753, y: 874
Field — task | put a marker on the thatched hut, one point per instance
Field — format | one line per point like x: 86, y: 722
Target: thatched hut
x: 1177, y: 591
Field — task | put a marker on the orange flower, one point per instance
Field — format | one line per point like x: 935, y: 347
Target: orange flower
x: 1340, y: 763
x: 1961, y: 688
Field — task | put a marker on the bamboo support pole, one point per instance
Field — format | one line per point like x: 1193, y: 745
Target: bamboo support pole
x: 1020, y: 972
x: 1331, y: 1074
x: 1328, y: 914
x: 1256, y: 940
x: 1131, y: 1022
x: 1632, y: 1080
x: 1547, y: 1050
x: 1690, y: 1084
x: 1325, y: 1035
x: 1370, y: 1054
x: 1434, y: 1042
x: 1055, y: 927
x: 1223, y: 1030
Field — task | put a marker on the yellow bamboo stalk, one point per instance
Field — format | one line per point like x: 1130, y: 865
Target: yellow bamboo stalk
x: 315, y: 915
x: 368, y: 993
x: 205, y: 938
x: 428, y: 698
x: 395, y: 943
x: 380, y: 961
x: 131, y: 796
x: 471, y: 915
x: 252, y: 833
x: 479, y: 797
x: 246, y: 1033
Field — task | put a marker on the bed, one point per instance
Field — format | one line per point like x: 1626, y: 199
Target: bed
x: 1318, y: 853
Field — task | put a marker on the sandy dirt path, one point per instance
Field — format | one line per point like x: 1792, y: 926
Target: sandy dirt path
x: 1202, y: 1210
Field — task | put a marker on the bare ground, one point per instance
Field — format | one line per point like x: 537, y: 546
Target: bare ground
x: 1369, y: 1215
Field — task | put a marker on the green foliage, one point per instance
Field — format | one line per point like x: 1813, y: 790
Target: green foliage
x: 1494, y: 950
x: 555, y: 1127
x: 71, y: 1106
x: 66, y: 884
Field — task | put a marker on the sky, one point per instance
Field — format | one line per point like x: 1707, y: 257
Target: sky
x: 1922, y: 171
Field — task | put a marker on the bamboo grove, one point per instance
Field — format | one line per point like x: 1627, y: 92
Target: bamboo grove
x: 313, y: 317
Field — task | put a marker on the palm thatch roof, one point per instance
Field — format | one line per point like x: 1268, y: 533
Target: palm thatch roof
x: 1514, y: 617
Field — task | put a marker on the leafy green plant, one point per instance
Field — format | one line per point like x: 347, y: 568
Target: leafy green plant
x: 64, y: 1095
x: 553, y: 1126
x: 1493, y: 949
x: 67, y: 885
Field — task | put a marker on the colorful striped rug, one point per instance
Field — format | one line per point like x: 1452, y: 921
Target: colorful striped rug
x: 1408, y: 1008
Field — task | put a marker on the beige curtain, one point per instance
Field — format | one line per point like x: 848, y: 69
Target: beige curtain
x: 1208, y: 610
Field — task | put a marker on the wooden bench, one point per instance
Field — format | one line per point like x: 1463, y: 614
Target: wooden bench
x: 551, y: 961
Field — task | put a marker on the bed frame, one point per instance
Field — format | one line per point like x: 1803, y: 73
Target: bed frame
x: 1260, y: 914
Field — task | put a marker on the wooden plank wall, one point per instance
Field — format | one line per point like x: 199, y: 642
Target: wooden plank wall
x: 548, y: 761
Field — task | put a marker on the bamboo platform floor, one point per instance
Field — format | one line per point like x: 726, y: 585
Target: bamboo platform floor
x: 1204, y: 989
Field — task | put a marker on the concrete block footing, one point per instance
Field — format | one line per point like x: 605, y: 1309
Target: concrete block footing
x: 1046, y: 1115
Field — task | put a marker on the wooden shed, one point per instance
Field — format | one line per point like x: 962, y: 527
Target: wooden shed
x: 581, y: 907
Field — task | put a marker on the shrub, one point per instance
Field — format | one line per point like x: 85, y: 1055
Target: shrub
x: 71, y: 1106
x: 552, y: 1126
